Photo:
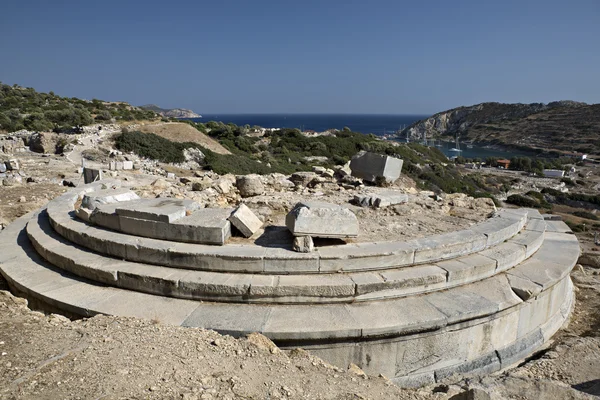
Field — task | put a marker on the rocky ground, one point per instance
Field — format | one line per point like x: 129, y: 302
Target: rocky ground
x: 49, y: 356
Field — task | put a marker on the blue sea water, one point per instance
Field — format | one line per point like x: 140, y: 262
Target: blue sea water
x: 378, y: 124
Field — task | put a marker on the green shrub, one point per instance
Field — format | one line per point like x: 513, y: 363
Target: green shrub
x: 152, y: 146
x: 586, y: 215
x: 522, y: 201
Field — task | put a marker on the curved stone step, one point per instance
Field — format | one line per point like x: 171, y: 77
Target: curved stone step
x: 480, y: 326
x: 261, y: 260
x: 558, y: 254
x: 254, y: 288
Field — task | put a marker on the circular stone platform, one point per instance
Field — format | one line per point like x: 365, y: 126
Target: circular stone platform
x: 416, y: 311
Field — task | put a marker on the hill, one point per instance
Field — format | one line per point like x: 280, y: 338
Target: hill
x: 25, y: 108
x: 171, y: 112
x: 561, y: 125
x: 181, y: 132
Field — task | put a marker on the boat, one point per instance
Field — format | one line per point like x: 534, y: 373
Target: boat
x: 457, y: 148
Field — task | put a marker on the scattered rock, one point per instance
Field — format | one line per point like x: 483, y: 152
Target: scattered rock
x: 249, y: 185
x: 245, y: 221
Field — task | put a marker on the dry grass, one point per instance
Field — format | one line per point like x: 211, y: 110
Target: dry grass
x: 182, y: 132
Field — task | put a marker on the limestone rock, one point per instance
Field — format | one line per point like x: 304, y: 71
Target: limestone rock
x: 249, y: 185
x: 44, y: 142
x: 320, y: 219
x: 109, y: 196
x: 303, y: 244
x: 245, y: 220
x: 263, y: 342
x: 356, y: 370
x: 160, y: 184
x: 302, y: 179
x: 371, y: 166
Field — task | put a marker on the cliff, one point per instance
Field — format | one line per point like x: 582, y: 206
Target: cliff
x: 171, y: 112
x: 560, y: 125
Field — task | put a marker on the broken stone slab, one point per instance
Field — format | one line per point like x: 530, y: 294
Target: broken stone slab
x: 12, y: 165
x: 204, y: 226
x: 109, y: 196
x: 162, y: 210
x: 245, y: 220
x: 91, y: 175
x: 83, y: 214
x: 303, y: 244
x: 389, y: 198
x: 383, y: 199
x: 370, y: 166
x: 320, y: 219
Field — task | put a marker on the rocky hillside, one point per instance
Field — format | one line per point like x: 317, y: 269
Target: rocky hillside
x: 25, y: 108
x: 561, y: 125
x: 171, y: 112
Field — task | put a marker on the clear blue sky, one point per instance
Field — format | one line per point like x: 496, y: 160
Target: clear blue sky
x: 255, y: 56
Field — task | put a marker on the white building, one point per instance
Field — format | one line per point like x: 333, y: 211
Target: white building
x: 554, y: 173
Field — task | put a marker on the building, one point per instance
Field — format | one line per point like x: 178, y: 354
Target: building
x: 554, y: 173
x: 503, y: 163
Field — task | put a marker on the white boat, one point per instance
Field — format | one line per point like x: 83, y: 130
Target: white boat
x: 457, y: 148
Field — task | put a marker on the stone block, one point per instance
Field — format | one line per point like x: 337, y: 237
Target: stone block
x: 532, y: 240
x: 370, y: 166
x: 538, y: 225
x: 469, y: 268
x: 497, y: 229
x: 507, y: 255
x: 303, y: 244
x: 108, y: 196
x: 83, y: 214
x: 447, y: 245
x: 104, y: 215
x: 245, y: 220
x: 557, y: 226
x: 366, y: 256
x: 481, y: 365
x: 3, y: 168
x: 398, y: 316
x: 207, y: 225
x: 91, y: 175
x: 12, y: 165
x: 319, y: 219
x: 521, y: 348
x: 284, y: 261
x: 387, y: 199
x: 127, y: 165
x: 162, y: 210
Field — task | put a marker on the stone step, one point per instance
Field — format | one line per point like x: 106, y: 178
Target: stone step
x: 25, y: 269
x: 481, y: 326
x: 263, y: 260
x: 255, y: 288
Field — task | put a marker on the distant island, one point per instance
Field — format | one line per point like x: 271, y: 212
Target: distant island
x: 171, y: 112
x: 562, y: 125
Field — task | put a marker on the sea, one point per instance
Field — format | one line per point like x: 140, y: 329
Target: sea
x: 377, y: 124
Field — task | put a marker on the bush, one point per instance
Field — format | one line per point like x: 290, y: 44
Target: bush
x: 522, y: 201
x: 152, y: 146
x: 586, y: 215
